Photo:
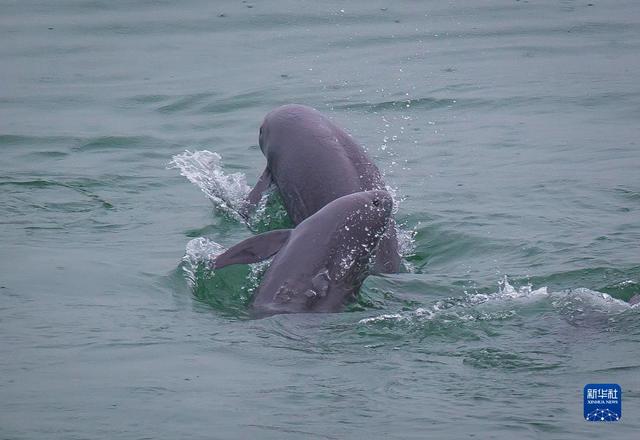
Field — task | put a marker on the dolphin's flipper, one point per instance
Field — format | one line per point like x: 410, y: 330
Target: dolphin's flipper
x: 256, y: 193
x: 254, y: 249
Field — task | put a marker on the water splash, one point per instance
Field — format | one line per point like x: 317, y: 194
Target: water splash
x: 196, y: 266
x: 204, y: 169
x: 507, y: 292
x: 255, y: 275
x: 270, y: 213
x: 198, y: 254
x: 405, y: 236
x: 406, y: 244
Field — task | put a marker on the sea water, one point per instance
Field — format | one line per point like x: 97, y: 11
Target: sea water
x: 508, y: 131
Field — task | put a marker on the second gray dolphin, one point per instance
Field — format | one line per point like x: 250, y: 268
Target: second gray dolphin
x: 321, y: 264
x: 312, y: 161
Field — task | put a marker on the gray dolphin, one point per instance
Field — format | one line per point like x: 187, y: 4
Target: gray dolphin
x: 321, y: 264
x: 312, y: 161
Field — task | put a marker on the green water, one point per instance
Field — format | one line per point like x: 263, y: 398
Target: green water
x: 508, y: 128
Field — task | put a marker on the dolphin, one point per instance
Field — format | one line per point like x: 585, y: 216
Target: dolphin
x: 320, y: 265
x: 312, y: 162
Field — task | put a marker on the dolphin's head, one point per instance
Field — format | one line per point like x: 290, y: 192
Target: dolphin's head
x: 286, y: 122
x: 370, y: 209
x: 271, y: 122
x: 382, y: 203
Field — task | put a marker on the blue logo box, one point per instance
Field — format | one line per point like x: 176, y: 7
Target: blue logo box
x: 602, y: 402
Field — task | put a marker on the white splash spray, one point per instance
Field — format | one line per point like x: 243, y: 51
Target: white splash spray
x: 204, y: 169
x: 199, y: 252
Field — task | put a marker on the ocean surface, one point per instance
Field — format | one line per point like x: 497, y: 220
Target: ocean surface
x: 509, y: 131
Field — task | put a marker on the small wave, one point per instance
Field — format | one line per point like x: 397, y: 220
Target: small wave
x: 573, y: 304
x: 462, y: 308
x: 184, y: 103
x: 116, y: 142
x: 203, y: 169
x: 80, y: 186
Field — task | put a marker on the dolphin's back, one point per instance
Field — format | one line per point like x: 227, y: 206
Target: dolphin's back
x: 313, y: 161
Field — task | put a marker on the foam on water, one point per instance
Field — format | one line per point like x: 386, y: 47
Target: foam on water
x: 203, y: 169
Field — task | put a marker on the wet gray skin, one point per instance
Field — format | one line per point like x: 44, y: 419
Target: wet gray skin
x: 312, y: 161
x: 320, y: 265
